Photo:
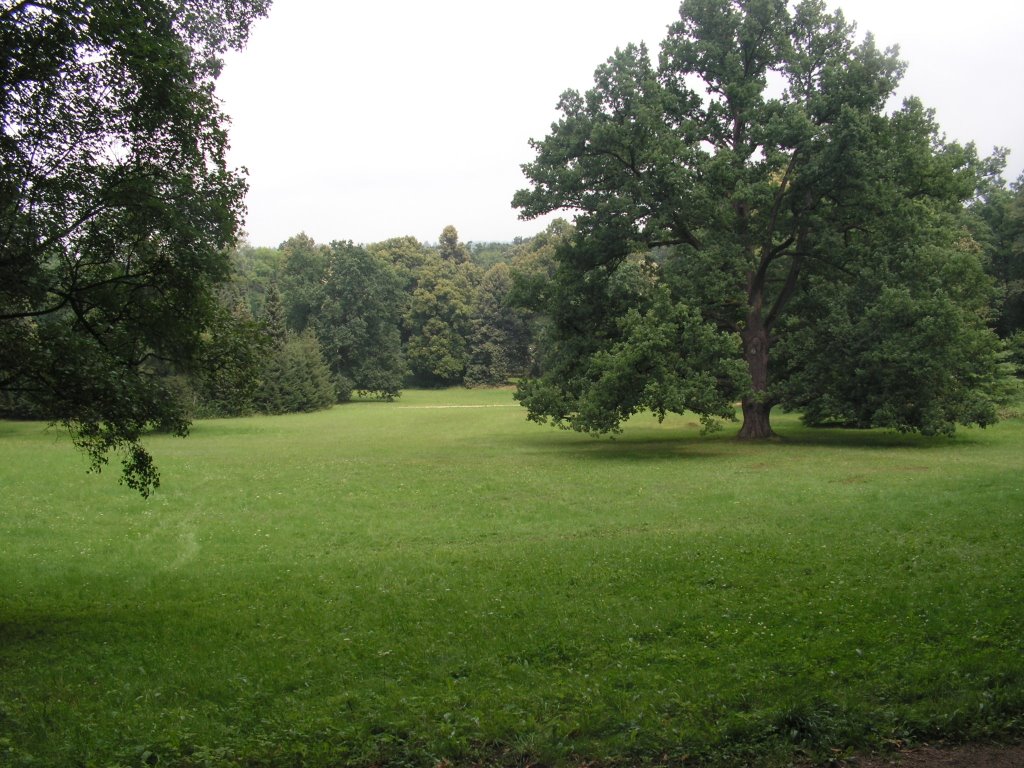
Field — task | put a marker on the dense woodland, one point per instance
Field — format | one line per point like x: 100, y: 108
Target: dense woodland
x: 306, y: 325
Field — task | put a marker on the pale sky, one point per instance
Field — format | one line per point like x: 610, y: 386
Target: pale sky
x: 368, y: 120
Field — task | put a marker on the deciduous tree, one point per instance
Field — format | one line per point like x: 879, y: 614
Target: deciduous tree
x: 499, y: 345
x: 116, y: 208
x: 438, y: 322
x: 449, y: 248
x: 358, y: 320
x: 752, y: 223
x: 302, y: 276
x: 999, y: 227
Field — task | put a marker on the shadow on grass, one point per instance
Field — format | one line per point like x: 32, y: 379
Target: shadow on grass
x: 59, y: 630
x: 644, y: 443
x: 843, y: 437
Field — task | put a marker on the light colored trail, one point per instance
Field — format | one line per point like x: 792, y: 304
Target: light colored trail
x: 430, y: 407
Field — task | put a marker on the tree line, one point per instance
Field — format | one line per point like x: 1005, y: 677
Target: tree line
x: 307, y: 325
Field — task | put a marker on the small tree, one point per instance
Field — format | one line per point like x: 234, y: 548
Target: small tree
x: 226, y: 374
x: 294, y: 376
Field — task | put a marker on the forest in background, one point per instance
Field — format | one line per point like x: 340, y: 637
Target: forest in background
x: 320, y: 323
x: 306, y: 325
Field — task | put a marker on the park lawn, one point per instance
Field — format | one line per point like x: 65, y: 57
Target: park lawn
x: 409, y: 584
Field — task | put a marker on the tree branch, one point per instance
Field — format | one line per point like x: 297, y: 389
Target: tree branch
x: 788, y: 289
x: 781, y: 194
x: 36, y: 313
x: 759, y: 277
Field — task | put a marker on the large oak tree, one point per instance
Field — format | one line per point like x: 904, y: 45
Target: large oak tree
x: 752, y: 224
x: 116, y: 208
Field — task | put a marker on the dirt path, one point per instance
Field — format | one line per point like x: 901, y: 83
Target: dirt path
x: 440, y: 407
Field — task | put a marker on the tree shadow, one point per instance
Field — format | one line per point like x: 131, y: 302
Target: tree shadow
x: 689, y: 443
x: 640, y: 445
x: 846, y: 437
x: 66, y: 627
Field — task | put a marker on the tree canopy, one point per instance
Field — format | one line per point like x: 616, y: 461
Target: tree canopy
x: 357, y: 321
x: 752, y: 224
x: 116, y: 208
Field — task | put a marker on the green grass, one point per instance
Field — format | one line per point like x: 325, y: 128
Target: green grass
x: 401, y: 584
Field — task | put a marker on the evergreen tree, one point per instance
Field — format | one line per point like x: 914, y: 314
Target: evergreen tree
x: 294, y: 376
x: 274, y: 321
x: 226, y: 377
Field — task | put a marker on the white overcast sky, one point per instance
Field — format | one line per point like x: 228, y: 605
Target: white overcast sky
x: 364, y: 120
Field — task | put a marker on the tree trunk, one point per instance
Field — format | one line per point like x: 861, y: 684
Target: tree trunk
x: 756, y: 424
x: 756, y: 409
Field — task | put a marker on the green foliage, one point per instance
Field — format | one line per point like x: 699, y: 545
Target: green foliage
x: 438, y: 322
x: 1015, y: 350
x: 401, y: 309
x: 226, y: 375
x: 751, y: 213
x: 116, y: 209
x: 253, y: 271
x: 998, y: 224
x: 487, y: 255
x: 406, y: 255
x: 449, y: 248
x: 904, y: 347
x: 408, y: 583
x: 331, y: 319
x: 501, y: 335
x: 638, y: 350
x: 295, y: 378
x: 304, y: 264
x: 275, y: 323
x: 534, y: 265
x: 357, y: 321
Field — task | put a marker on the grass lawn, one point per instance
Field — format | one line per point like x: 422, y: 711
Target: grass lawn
x: 407, y: 584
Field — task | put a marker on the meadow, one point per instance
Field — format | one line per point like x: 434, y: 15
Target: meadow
x: 414, y: 584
